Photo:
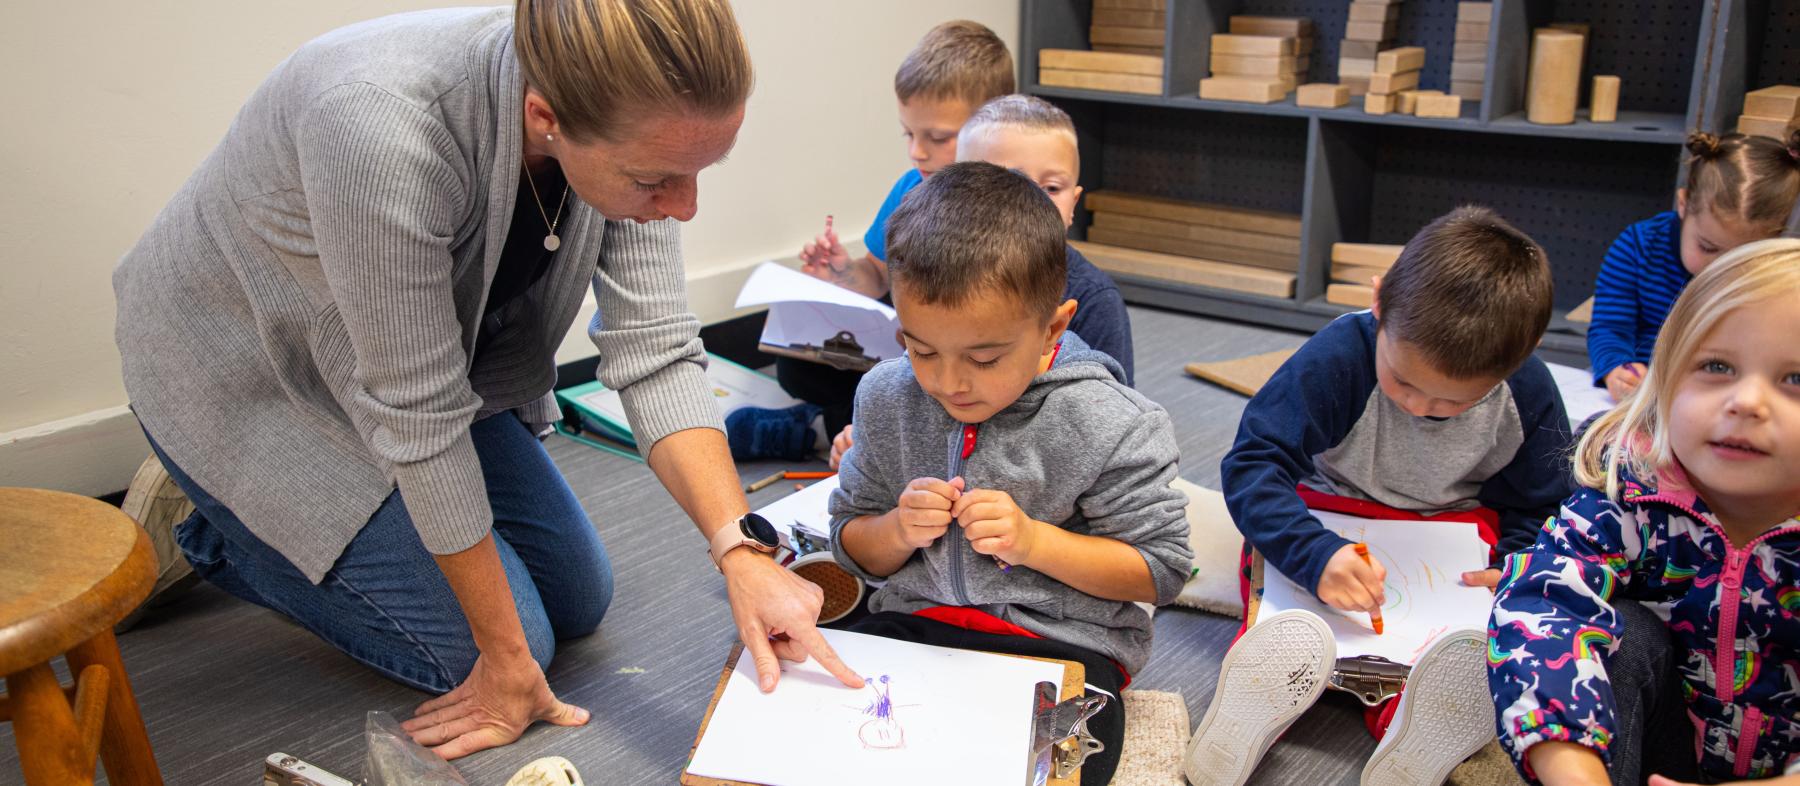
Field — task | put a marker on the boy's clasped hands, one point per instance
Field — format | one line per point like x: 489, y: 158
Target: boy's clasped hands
x: 990, y: 519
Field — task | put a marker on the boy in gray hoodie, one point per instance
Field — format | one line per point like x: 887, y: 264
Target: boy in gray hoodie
x: 1007, y: 485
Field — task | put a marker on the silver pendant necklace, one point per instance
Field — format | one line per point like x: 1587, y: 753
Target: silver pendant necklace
x: 551, y: 241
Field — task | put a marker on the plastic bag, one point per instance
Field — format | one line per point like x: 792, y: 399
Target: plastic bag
x: 395, y: 760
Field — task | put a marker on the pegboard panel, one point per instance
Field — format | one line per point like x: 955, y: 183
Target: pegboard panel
x: 1427, y: 23
x: 1651, y: 45
x: 1573, y: 196
x: 1779, y: 61
x: 1255, y: 161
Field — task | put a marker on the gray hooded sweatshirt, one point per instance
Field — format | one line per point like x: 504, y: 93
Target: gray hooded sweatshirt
x: 1078, y: 449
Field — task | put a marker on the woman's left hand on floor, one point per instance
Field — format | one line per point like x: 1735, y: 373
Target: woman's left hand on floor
x: 491, y: 708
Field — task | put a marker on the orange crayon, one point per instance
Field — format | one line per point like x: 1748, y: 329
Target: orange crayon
x: 1362, y: 550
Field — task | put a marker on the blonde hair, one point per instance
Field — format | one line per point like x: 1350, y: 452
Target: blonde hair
x: 1027, y: 113
x: 600, y: 62
x: 956, y: 60
x: 1635, y: 435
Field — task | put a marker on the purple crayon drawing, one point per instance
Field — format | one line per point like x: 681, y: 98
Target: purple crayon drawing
x: 882, y: 730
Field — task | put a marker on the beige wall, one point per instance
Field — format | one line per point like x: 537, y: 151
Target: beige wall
x: 111, y: 104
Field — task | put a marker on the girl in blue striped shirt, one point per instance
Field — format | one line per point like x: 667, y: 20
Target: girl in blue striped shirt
x: 1739, y: 189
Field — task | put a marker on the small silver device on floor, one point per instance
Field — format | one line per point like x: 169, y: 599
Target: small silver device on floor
x: 1371, y: 679
x: 1060, y: 741
x: 280, y: 769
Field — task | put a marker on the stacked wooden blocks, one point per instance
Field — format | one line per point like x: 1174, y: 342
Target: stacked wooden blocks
x: 1260, y: 67
x: 1254, y: 251
x: 1114, y: 71
x: 1396, y: 72
x: 1354, y: 267
x: 1468, y: 63
x: 1369, y: 29
x: 1773, y: 112
x: 1132, y: 27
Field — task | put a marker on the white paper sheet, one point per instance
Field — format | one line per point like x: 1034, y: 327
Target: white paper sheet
x: 805, y: 310
x: 941, y: 716
x: 733, y: 387
x: 1425, y: 595
x: 1579, y: 395
x: 806, y: 509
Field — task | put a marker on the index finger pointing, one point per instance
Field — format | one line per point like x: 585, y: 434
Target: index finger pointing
x: 821, y: 651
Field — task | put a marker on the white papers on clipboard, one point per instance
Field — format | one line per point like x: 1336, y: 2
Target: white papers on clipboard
x: 806, y: 312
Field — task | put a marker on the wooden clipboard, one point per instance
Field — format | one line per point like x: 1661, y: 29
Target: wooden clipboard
x: 1074, y: 680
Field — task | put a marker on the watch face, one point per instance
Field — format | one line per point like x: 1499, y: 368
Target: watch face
x: 760, y: 529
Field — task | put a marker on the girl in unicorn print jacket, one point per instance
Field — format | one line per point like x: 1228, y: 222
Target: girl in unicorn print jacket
x: 1689, y: 507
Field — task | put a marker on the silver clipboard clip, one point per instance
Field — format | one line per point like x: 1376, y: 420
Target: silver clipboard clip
x: 1371, y: 679
x: 1060, y: 741
x: 840, y: 352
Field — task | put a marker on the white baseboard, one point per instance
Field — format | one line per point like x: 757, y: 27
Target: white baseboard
x: 94, y: 453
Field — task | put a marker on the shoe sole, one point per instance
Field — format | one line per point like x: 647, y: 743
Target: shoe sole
x: 1446, y: 716
x: 1267, y: 681
x: 843, y: 591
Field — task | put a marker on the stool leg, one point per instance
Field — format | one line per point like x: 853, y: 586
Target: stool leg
x: 124, y: 746
x: 44, y: 728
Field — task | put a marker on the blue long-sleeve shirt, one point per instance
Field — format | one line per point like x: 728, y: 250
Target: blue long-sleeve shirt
x: 1323, y: 420
x: 1638, y: 283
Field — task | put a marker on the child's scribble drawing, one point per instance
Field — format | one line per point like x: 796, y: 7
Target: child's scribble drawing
x: 882, y: 730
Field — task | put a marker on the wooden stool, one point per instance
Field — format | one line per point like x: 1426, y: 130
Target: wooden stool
x: 70, y: 567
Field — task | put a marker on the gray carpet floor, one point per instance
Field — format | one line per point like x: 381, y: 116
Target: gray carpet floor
x: 223, y: 683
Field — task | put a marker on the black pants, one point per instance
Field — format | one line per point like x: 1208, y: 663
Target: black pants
x: 1654, y: 735
x: 1108, y: 727
x: 821, y: 385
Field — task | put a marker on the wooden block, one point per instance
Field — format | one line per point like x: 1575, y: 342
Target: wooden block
x: 1145, y: 51
x: 1350, y: 295
x: 1775, y: 128
x: 1125, y: 36
x: 1303, y: 64
x: 1474, y: 12
x: 1120, y: 17
x: 1198, y: 249
x: 1355, y: 67
x: 1133, y: 5
x: 1323, y: 95
x: 1359, y: 85
x: 1555, y: 77
x: 1468, y: 91
x: 1407, y: 101
x: 1232, y: 238
x: 1243, y: 88
x: 1252, y: 65
x: 1359, y: 50
x: 1374, y: 12
x: 1245, y: 375
x: 1224, y: 216
x: 1356, y: 274
x: 1472, y: 31
x: 1186, y: 270
x: 1379, y: 103
x: 1084, y: 60
x: 1370, y: 31
x: 1376, y: 255
x: 1603, y: 101
x: 1101, y: 80
x: 1469, y: 51
x: 1393, y: 83
x: 1468, y: 72
x: 1288, y: 26
x: 1439, y: 106
x: 1263, y: 45
x: 1583, y: 313
x: 1394, y: 61
x: 1776, y: 101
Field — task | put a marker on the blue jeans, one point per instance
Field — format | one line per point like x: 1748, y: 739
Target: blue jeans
x: 386, y: 604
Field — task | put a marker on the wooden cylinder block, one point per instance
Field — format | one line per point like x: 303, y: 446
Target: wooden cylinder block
x: 1555, y: 77
x: 1605, y: 101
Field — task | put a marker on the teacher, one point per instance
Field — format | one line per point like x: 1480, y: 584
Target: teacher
x: 340, y: 337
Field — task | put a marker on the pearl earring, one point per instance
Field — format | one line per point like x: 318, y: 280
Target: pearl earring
x: 549, y: 138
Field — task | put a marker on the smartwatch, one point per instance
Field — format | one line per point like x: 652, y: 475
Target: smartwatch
x: 749, y: 530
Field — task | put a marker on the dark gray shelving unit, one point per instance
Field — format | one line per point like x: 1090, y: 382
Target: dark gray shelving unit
x: 1355, y: 177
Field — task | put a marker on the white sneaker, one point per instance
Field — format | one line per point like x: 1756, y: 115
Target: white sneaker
x: 548, y: 771
x: 1268, y: 680
x: 1445, y: 715
x: 157, y: 505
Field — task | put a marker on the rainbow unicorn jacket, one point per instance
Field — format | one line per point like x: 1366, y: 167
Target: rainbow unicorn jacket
x: 1553, y: 628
